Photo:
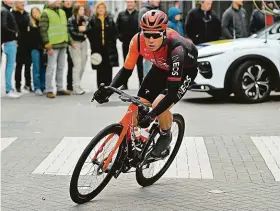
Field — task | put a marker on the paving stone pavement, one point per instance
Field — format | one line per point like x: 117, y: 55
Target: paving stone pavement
x: 237, y: 143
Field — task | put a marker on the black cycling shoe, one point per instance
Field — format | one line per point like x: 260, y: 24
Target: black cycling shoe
x: 161, y: 146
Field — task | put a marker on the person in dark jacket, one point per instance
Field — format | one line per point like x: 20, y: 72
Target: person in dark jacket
x: 37, y: 53
x: 202, y: 24
x: 128, y: 26
x: 235, y: 21
x: 174, y: 22
x: 78, y: 26
x: 258, y: 18
x: 68, y: 8
x: 103, y: 41
x: 9, y: 34
x: 23, y: 51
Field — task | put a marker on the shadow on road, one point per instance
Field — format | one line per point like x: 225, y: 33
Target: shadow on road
x: 230, y: 100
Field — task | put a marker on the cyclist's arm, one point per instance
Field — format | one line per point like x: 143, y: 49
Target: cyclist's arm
x: 174, y: 79
x: 126, y: 71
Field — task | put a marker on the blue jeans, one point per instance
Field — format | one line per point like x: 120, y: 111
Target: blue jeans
x: 10, y: 49
x: 39, y: 72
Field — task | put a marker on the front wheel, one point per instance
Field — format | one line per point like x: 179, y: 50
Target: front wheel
x: 88, y: 178
x: 252, y: 82
x: 150, y: 173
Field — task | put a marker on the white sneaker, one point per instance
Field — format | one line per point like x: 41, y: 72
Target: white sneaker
x: 12, y: 94
x: 79, y: 92
x: 38, y: 92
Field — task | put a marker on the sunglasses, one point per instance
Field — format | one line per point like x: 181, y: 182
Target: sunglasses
x: 153, y: 35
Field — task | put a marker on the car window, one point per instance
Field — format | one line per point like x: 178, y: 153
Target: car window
x: 272, y: 32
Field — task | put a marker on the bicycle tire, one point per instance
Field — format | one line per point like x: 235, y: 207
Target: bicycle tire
x: 140, y: 178
x: 74, y: 193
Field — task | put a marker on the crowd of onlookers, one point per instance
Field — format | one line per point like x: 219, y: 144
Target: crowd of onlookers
x: 43, y: 39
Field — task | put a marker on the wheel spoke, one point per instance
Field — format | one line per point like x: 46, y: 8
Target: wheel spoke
x: 258, y: 93
x: 249, y: 74
x: 264, y: 84
x: 260, y: 72
x: 89, y: 179
x: 248, y: 88
x: 156, y: 166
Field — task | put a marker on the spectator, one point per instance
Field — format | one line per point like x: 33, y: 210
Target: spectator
x: 151, y: 5
x: 54, y: 32
x: 128, y: 26
x: 235, y: 21
x: 23, y: 50
x: 85, y: 4
x: 177, y: 4
x: 68, y: 7
x: 78, y: 26
x: 103, y: 41
x: 9, y: 33
x: 37, y: 53
x: 259, y: 18
x: 202, y: 24
x: 174, y: 22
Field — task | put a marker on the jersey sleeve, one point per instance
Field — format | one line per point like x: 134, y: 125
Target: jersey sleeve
x: 174, y: 81
x: 132, y: 56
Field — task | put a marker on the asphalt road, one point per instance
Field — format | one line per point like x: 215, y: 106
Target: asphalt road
x: 229, y: 159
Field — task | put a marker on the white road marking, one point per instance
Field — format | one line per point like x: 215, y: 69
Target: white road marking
x: 62, y: 160
x: 192, y: 160
x: 269, y: 147
x: 5, y: 142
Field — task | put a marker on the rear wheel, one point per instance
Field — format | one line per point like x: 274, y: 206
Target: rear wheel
x: 88, y: 178
x: 150, y: 173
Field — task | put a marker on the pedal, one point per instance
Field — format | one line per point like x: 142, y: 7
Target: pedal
x: 165, y: 153
x: 148, y: 160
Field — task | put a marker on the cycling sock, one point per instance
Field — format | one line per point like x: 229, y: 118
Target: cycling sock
x: 165, y: 132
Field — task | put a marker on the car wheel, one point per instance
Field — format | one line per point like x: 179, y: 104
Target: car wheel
x: 252, y: 82
x: 220, y: 94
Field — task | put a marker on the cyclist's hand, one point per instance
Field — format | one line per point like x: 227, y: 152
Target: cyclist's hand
x: 102, y: 96
x: 145, y: 121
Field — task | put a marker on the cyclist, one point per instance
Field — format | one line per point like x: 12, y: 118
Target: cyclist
x: 174, y: 67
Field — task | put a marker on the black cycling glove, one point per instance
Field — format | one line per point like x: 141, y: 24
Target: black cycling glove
x: 145, y: 120
x: 102, y: 95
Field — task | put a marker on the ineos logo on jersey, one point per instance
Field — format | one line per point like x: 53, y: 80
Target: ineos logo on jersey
x: 176, y: 65
x: 184, y: 87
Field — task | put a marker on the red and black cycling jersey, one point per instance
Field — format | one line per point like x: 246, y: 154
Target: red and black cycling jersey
x: 162, y: 58
x: 177, y: 56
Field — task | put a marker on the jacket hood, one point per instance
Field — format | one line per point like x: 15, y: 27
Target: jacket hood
x: 172, y: 12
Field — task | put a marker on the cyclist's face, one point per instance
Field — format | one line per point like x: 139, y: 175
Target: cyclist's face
x: 153, y: 40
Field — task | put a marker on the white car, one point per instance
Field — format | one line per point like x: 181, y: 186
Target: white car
x: 249, y: 68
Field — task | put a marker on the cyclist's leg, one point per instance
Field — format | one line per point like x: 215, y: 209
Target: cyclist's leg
x: 166, y: 118
x: 152, y: 86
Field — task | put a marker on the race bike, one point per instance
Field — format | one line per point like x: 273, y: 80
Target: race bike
x: 121, y: 147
